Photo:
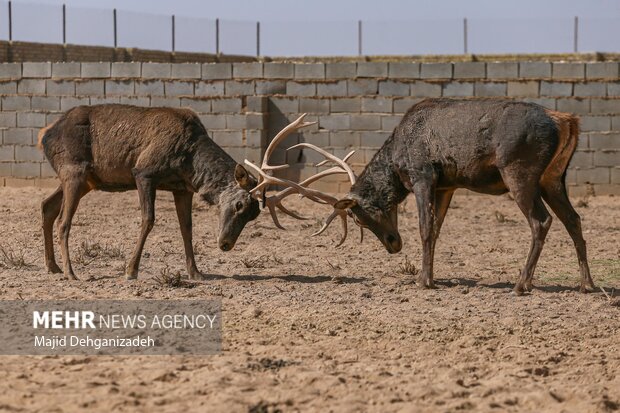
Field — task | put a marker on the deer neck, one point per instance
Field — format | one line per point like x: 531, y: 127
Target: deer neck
x: 213, y: 171
x: 379, y: 186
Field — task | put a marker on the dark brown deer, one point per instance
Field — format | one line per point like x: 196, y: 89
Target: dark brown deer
x: 119, y: 147
x: 488, y: 146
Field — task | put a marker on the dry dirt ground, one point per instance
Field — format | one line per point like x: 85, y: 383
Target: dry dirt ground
x: 310, y: 327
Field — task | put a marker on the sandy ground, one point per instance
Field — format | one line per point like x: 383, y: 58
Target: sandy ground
x: 310, y: 327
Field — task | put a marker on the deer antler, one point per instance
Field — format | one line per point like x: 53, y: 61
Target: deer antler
x: 265, y: 178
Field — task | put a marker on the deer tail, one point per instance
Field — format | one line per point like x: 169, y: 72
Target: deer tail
x: 42, y: 133
x: 568, y: 138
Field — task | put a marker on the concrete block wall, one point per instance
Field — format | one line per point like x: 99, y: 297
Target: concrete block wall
x: 356, y: 105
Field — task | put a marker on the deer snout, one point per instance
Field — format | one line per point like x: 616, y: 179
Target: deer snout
x: 226, y: 245
x: 393, y: 243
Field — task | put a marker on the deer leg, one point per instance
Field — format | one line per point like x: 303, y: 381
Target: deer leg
x: 425, y: 199
x: 73, y: 190
x: 555, y: 196
x: 146, y: 193
x: 442, y: 202
x: 50, y: 209
x: 183, y: 203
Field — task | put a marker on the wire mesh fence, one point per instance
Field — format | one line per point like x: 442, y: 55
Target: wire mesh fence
x: 119, y: 28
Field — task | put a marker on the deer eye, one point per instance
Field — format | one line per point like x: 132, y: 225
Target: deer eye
x: 239, y: 206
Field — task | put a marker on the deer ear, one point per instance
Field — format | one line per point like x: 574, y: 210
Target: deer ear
x: 345, y: 203
x: 242, y: 177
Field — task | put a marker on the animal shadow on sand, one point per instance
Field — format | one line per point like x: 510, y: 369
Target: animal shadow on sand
x: 304, y: 279
x: 467, y: 282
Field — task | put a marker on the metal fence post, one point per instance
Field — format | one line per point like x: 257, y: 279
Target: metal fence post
x: 217, y: 36
x: 465, y: 35
x: 173, y: 39
x: 576, y: 35
x: 257, y: 39
x: 64, y: 24
x: 115, y: 32
x: 359, y: 37
x: 10, y: 22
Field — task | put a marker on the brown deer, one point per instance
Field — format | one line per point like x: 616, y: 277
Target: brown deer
x: 488, y: 146
x: 119, y: 147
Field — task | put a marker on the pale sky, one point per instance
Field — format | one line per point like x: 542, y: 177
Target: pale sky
x: 326, y: 27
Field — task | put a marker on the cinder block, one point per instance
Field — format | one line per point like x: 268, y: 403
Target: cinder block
x: 48, y: 172
x: 425, y: 89
x: 7, y: 153
x: 309, y: 71
x: 605, y: 141
x: 389, y: 122
x: 90, y: 88
x: 602, y: 70
x: 26, y: 170
x: 436, y: 71
x: 36, y: 69
x: 60, y: 87
x: 16, y: 103
x: 377, y: 105
x: 156, y: 70
x: 615, y: 123
x: 197, y: 105
x: 319, y: 138
x: 595, y: 123
x: 256, y: 103
x: 270, y: 87
x: 226, y: 105
x: 615, y: 175
x: 68, y: 102
x: 8, y: 87
x: 278, y: 70
x: 549, y: 103
x: 217, y: 71
x: 403, y: 70
x: 337, y: 88
x: 10, y: 70
x: 469, y: 70
x: 344, y: 139
x: 284, y: 105
x: 31, y: 87
x: 103, y: 100
x: 45, y: 103
x: 340, y: 70
x: 235, y: 121
x: 209, y: 88
x: 30, y: 120
x: 335, y: 122
x: 186, y: 71
x: 178, y: 88
x: 365, y: 121
x: 126, y: 70
x: 374, y: 139
x: 458, y: 89
x: 213, y: 121
x: 310, y: 105
x: 402, y: 105
x: 568, y: 71
x: 593, y: 176
x: 255, y: 121
x: 581, y: 159
x: 256, y: 139
x: 535, y: 70
x: 522, y: 88
x: 582, y: 142
x: 149, y: 88
x: 600, y: 106
x: 300, y: 89
x: 362, y: 87
x: 490, y: 89
x: 613, y: 89
x: 96, y: 70
x: 574, y: 105
x: 393, y: 88
x: 119, y: 87
x: 590, y: 89
x: 227, y: 138
x: 52, y: 117
x: 556, y: 88
x: 351, y: 105
x: 28, y: 153
x: 502, y: 70
x: 248, y: 70
x: 372, y: 69
x: 66, y: 70
x: 168, y: 102
x: 17, y: 136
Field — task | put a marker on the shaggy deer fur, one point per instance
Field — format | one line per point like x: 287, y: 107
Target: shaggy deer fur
x: 117, y: 148
x: 488, y: 146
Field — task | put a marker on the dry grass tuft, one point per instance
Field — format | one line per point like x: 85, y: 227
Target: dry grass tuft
x: 408, y: 267
x: 13, y: 259
x: 167, y: 278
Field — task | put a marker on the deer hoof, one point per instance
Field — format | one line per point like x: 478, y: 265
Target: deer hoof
x: 518, y: 290
x: 71, y: 277
x: 586, y: 288
x: 197, y: 275
x: 130, y: 276
x: 528, y: 286
x: 53, y: 268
